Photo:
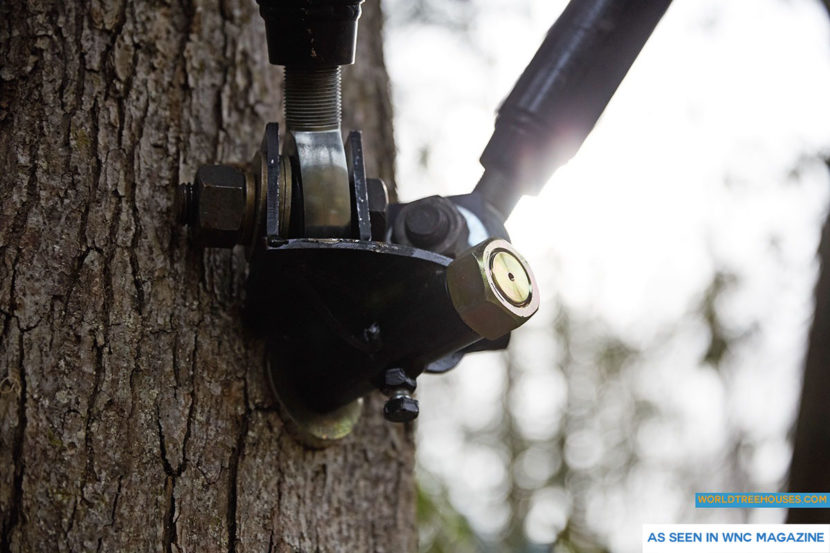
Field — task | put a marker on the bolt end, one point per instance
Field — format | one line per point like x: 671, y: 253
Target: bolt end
x: 492, y: 288
x: 401, y: 408
x: 185, y: 204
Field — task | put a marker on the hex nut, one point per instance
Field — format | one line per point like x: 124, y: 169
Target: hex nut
x: 432, y: 223
x: 479, y: 300
x: 397, y: 379
x: 221, y: 197
x: 378, y: 207
x: 401, y: 408
x: 426, y: 224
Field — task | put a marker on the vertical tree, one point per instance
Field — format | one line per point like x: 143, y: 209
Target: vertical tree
x: 134, y: 413
x: 810, y: 468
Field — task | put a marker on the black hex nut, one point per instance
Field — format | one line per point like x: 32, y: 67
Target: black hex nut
x: 378, y: 207
x: 397, y: 379
x: 401, y: 408
x: 220, y: 204
x: 433, y: 223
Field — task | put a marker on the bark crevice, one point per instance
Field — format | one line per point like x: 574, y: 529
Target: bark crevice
x: 15, y: 512
x: 233, y: 473
x: 168, y: 535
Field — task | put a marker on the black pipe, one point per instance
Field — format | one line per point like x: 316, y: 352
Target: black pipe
x: 310, y: 33
x: 561, y: 94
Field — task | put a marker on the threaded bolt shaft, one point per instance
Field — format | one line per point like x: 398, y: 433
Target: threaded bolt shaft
x: 312, y: 98
x: 185, y: 204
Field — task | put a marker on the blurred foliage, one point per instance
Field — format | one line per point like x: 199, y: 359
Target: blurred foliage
x: 719, y: 337
x: 595, y: 443
x: 441, y: 529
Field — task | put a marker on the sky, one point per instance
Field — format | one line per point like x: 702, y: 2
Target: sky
x: 705, y: 161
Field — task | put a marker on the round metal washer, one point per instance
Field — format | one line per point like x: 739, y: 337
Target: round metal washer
x: 313, y: 429
x: 510, y: 277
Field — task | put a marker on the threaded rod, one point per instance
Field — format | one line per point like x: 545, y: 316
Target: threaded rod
x: 185, y: 204
x: 312, y: 98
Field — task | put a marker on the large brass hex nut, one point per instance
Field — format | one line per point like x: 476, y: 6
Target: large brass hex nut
x: 492, y: 288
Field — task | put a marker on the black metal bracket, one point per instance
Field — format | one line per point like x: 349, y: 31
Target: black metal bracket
x: 352, y: 294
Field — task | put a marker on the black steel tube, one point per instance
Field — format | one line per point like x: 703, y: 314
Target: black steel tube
x: 314, y: 33
x: 562, y: 92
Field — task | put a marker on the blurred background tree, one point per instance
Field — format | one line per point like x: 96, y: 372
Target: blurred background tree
x: 811, y: 444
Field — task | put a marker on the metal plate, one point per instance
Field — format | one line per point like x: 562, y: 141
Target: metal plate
x: 340, y: 312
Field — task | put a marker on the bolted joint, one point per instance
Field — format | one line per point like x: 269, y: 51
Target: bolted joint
x: 434, y: 224
x: 401, y: 406
x: 492, y: 288
x: 219, y: 206
x: 427, y: 225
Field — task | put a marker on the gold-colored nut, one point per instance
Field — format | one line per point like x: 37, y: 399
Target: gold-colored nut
x: 492, y: 288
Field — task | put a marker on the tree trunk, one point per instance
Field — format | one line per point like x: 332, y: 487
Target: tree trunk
x: 134, y: 412
x: 810, y: 468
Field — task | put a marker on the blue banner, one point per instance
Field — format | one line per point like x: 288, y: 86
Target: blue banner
x: 755, y: 500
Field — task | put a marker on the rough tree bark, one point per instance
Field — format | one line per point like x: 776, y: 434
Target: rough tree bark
x: 134, y: 415
x: 810, y: 468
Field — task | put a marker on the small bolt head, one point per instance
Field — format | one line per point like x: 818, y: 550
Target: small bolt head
x: 397, y: 379
x: 492, y: 288
x: 401, y: 408
x: 426, y: 224
x: 433, y: 223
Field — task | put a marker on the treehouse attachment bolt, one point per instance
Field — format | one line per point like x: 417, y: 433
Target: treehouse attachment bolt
x: 401, y: 406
